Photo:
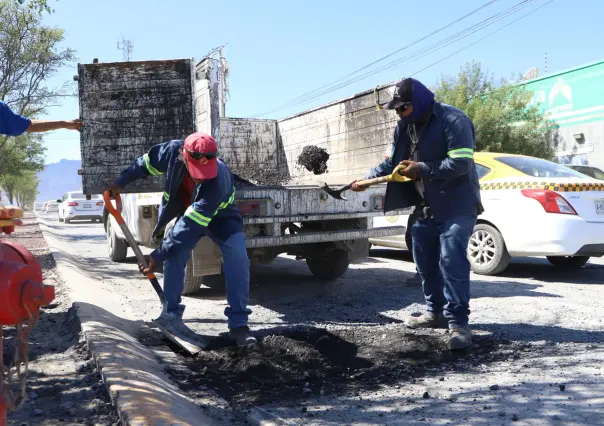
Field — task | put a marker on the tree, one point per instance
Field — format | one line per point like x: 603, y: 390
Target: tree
x: 21, y: 189
x: 30, y: 53
x: 503, y: 119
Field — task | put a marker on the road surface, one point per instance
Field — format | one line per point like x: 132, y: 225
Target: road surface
x: 538, y: 357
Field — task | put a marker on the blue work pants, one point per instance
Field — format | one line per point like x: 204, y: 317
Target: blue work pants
x: 236, y: 269
x: 440, y: 254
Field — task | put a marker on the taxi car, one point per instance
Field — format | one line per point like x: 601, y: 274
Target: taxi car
x: 533, y: 207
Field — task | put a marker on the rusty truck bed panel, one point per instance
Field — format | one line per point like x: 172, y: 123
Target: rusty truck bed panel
x: 127, y: 107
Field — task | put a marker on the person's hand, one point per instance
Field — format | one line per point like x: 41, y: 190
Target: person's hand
x: 74, y: 124
x: 114, y: 189
x: 149, y: 269
x: 356, y: 187
x: 411, y: 169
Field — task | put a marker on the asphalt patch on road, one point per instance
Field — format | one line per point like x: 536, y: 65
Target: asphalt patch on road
x: 314, y: 159
x: 298, y: 363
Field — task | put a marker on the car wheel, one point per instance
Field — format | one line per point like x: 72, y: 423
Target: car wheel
x: 118, y: 249
x: 67, y: 221
x: 568, y: 262
x: 487, y: 252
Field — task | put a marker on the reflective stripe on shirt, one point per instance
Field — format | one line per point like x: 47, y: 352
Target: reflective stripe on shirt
x: 152, y: 170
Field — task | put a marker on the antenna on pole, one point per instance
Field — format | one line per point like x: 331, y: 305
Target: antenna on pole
x: 126, y: 47
x: 545, y: 69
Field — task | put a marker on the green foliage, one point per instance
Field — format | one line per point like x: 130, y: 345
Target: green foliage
x: 21, y: 189
x: 503, y: 119
x: 30, y: 54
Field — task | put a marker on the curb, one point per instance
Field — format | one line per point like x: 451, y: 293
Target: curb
x: 141, y: 392
x: 260, y: 417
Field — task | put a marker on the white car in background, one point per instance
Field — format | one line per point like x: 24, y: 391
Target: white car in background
x: 51, y: 206
x: 75, y: 206
x: 533, y: 207
x: 38, y: 206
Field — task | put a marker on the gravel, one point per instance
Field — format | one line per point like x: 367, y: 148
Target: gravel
x: 62, y: 378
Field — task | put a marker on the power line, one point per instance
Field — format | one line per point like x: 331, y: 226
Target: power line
x: 435, y: 47
x: 397, y: 51
x: 481, y: 39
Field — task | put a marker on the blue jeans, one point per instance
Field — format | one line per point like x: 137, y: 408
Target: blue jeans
x: 440, y: 254
x: 236, y: 268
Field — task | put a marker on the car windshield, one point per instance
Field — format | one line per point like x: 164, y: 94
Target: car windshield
x: 599, y: 174
x: 538, y: 167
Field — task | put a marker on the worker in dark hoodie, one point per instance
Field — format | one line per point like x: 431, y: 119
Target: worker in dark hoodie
x: 435, y: 143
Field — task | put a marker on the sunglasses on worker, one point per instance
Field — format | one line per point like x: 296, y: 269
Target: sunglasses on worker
x: 403, y: 107
x: 199, y: 155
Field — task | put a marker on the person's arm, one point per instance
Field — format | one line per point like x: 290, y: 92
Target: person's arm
x: 37, y: 126
x: 459, y: 132
x: 190, y: 227
x: 153, y: 163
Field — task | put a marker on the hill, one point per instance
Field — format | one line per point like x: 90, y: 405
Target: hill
x: 58, y: 178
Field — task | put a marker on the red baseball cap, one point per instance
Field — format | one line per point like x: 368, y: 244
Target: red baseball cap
x: 201, y: 153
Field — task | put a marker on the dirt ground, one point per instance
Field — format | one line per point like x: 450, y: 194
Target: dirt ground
x: 300, y: 362
x: 63, y: 385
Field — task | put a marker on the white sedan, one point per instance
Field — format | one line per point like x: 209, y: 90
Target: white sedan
x: 75, y: 206
x: 539, y: 208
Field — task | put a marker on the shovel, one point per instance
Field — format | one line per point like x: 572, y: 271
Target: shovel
x: 395, y: 176
x: 180, y: 334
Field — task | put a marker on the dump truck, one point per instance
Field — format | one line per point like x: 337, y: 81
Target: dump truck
x: 127, y: 107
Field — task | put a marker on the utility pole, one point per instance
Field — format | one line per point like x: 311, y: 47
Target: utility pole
x: 126, y: 47
x: 223, y: 71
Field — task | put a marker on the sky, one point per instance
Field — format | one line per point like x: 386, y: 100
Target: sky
x: 280, y: 50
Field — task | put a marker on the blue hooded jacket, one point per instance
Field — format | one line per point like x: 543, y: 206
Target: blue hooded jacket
x: 445, y: 154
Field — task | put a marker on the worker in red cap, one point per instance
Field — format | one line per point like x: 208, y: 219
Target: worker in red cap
x: 200, y: 193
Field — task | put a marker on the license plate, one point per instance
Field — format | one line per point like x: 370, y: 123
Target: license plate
x: 86, y: 206
x: 599, y: 207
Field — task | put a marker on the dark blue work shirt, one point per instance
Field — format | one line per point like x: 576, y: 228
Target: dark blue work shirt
x: 12, y: 124
x: 445, y: 153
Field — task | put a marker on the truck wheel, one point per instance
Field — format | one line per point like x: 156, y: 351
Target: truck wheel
x: 568, y: 262
x: 328, y: 266
x: 192, y: 284
x: 487, y: 252
x: 118, y: 249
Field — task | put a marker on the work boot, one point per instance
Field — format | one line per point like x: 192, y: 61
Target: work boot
x: 427, y: 320
x: 460, y: 337
x: 241, y: 336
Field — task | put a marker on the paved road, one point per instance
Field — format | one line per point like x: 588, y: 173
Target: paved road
x: 531, y: 303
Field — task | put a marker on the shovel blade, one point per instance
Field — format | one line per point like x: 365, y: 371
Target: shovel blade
x: 182, y: 336
x: 335, y: 193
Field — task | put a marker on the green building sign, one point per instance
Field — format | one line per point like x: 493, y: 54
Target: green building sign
x: 571, y: 97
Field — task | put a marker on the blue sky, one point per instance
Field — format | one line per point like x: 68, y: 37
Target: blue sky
x: 279, y: 50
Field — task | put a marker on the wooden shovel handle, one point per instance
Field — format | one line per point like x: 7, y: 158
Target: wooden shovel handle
x: 374, y: 181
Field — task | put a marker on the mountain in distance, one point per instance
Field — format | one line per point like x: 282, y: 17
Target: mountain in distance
x: 59, y: 178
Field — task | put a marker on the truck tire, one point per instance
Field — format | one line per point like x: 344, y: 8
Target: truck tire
x: 118, y: 249
x: 192, y: 284
x: 568, y: 262
x: 487, y: 252
x: 328, y: 266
